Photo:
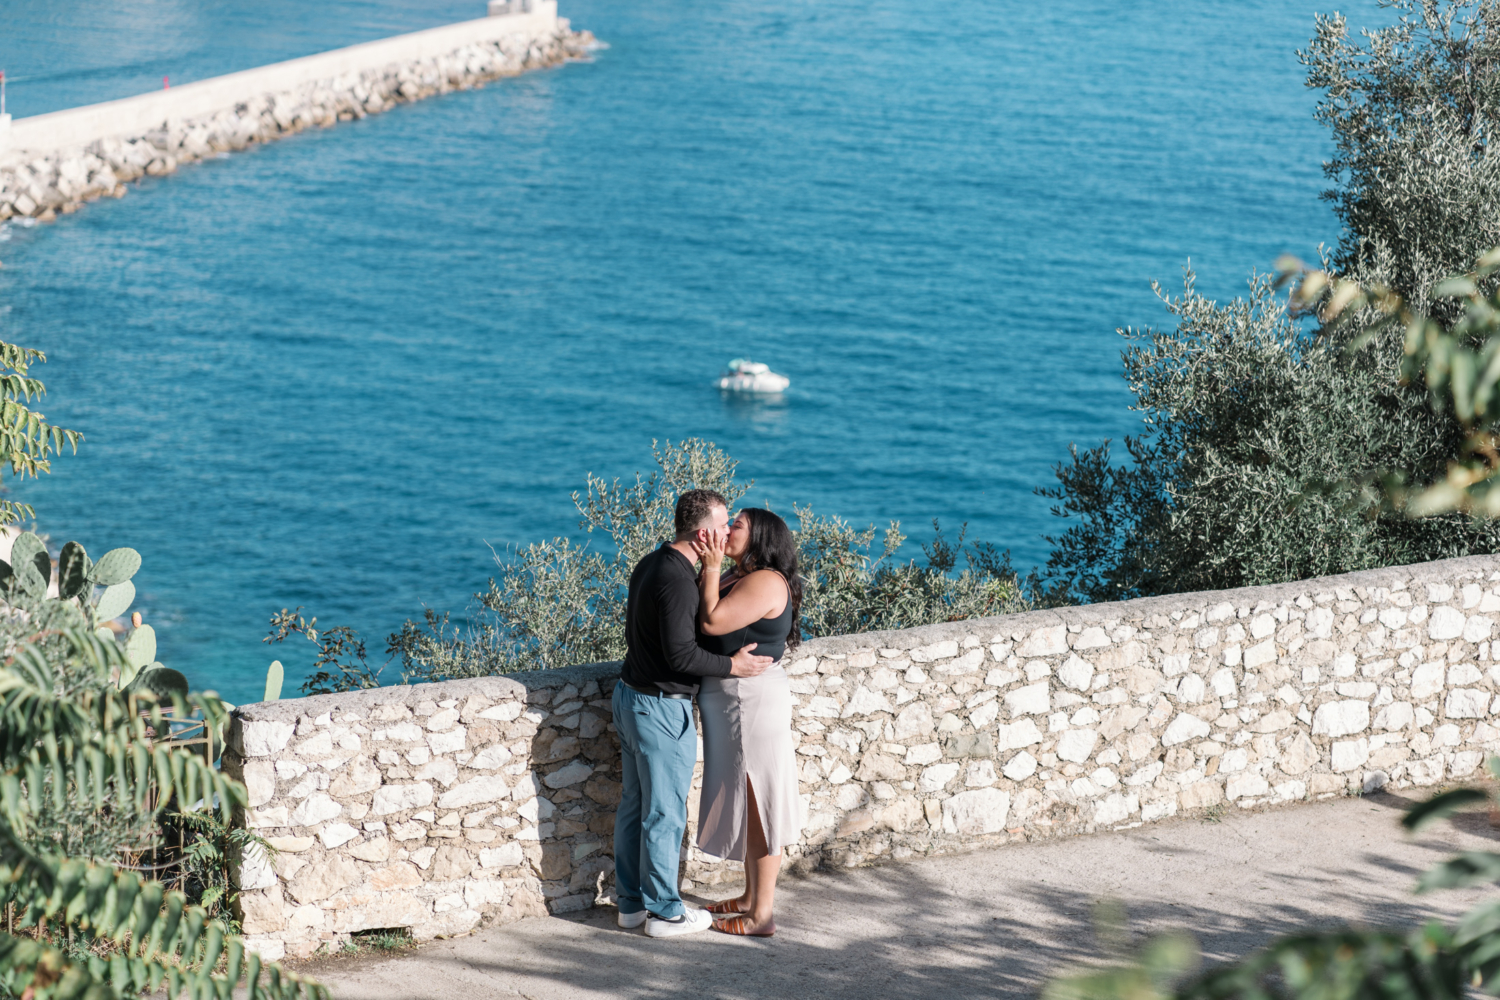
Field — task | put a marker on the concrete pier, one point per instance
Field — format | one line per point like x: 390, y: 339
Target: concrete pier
x: 51, y: 163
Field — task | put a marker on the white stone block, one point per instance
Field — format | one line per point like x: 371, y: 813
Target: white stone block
x: 980, y: 774
x: 1049, y: 641
x: 1477, y: 629
x: 915, y: 720
x: 937, y: 651
x: 1446, y: 623
x: 490, y: 788
x: 1076, y: 673
x: 1319, y: 622
x: 260, y: 782
x: 1393, y: 618
x: 1467, y: 703
x: 1183, y: 728
x: 399, y: 798
x: 1425, y: 772
x: 1260, y: 654
x: 508, y: 711
x: 336, y: 834
x: 450, y: 741
x: 263, y: 738
x: 1341, y: 718
x: 984, y: 715
x: 936, y: 778
x: 1160, y: 809
x: 269, y: 949
x: 1350, y: 754
x: 1092, y: 637
x: 1077, y: 744
x: 490, y: 757
x: 315, y: 809
x: 572, y: 774
x: 1234, y: 760
x: 1145, y: 775
x: 1017, y: 735
x: 925, y: 753
x: 1446, y: 735
x: 504, y: 856
x: 1245, y: 786
x: 978, y: 812
x: 1262, y: 626
x: 1427, y: 680
x: 1115, y: 809
x: 1465, y: 762
x: 1020, y: 767
x: 1222, y: 684
x: 1030, y: 700
x: 1464, y: 675
x: 821, y: 707
x: 1395, y: 716
x: 1191, y: 689
x: 866, y: 702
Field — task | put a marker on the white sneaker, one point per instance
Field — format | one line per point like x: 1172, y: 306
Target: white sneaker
x: 630, y: 921
x: 688, y: 922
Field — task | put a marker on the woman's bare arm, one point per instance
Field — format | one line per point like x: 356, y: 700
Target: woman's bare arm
x: 759, y: 595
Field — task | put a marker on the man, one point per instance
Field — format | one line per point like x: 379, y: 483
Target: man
x: 653, y: 712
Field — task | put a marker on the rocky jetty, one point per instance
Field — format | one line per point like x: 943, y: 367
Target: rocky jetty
x: 59, y: 182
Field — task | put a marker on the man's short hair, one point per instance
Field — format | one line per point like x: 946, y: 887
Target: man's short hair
x: 696, y: 506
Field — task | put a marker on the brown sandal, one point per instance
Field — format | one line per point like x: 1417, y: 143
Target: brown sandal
x: 725, y: 906
x: 741, y: 926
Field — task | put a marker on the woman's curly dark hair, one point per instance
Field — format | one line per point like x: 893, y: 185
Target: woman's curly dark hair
x: 773, y: 546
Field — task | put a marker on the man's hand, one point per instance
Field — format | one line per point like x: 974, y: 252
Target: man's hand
x: 743, y: 664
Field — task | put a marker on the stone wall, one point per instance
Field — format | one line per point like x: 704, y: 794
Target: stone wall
x: 53, y: 163
x: 439, y: 806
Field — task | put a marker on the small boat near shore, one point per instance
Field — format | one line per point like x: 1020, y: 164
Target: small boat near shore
x: 744, y: 375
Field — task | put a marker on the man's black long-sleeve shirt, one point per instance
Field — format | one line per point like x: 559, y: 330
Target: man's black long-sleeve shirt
x: 661, y: 617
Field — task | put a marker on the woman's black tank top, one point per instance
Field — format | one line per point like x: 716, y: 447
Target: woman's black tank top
x: 769, y: 634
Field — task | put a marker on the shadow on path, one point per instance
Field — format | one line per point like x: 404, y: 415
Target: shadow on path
x: 995, y: 923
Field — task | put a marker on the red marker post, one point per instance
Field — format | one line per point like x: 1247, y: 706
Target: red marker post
x: 165, y: 85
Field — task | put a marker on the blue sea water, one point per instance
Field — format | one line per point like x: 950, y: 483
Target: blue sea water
x: 335, y: 370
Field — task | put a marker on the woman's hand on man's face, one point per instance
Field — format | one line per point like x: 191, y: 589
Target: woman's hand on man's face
x: 709, y: 547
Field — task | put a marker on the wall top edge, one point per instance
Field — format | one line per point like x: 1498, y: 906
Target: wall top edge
x: 512, y: 686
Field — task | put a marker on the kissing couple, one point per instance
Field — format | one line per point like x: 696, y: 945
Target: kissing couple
x: 719, y: 638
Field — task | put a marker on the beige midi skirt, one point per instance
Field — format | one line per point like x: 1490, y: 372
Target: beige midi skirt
x: 747, y: 734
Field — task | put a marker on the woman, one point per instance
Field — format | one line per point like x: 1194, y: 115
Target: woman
x: 749, y: 807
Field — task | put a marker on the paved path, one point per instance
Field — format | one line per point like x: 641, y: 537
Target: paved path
x: 995, y: 923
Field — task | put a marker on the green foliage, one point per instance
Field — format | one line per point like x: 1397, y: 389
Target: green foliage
x: 1267, y: 445
x: 85, y: 775
x: 273, y: 681
x: 27, y: 441
x: 341, y: 663
x: 73, y: 745
x: 849, y: 589
x: 557, y: 603
x: 1412, y: 109
x: 210, y: 845
x: 1255, y: 466
x: 1429, y: 962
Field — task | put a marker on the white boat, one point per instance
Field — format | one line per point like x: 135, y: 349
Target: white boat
x: 744, y: 375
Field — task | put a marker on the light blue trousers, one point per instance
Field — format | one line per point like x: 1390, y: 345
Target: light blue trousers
x: 658, y: 748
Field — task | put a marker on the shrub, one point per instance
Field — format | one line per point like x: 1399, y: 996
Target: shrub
x: 1264, y: 438
x: 558, y: 603
x: 85, y: 774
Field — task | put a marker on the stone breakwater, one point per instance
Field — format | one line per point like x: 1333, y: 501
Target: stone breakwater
x: 439, y: 806
x: 44, y: 185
